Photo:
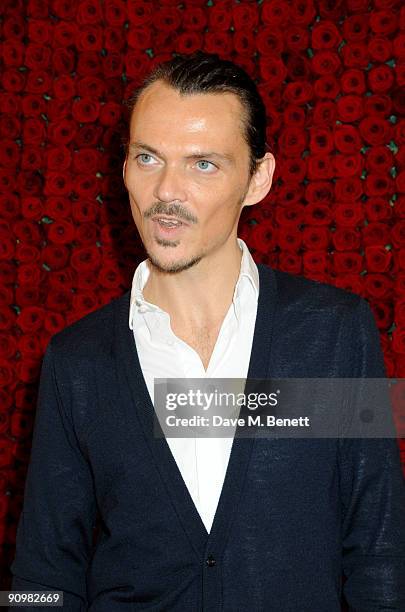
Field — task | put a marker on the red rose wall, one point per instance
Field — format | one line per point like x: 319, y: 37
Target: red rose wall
x: 332, y: 74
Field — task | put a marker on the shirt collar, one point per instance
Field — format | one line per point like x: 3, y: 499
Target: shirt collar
x: 248, y: 276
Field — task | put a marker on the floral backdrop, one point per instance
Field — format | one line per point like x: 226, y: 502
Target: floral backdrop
x: 332, y: 74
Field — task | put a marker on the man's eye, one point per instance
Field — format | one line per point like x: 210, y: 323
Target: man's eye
x: 206, y: 165
x: 144, y: 159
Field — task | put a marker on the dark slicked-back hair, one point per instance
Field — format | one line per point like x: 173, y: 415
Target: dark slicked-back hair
x: 203, y: 73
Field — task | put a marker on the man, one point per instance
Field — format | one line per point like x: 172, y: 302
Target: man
x: 202, y: 524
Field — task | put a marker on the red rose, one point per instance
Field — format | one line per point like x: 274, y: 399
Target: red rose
x: 34, y: 131
x: 245, y: 16
x: 325, y: 35
x: 379, y: 159
x: 88, y: 136
x: 353, y: 82
x: 377, y: 104
x: 327, y: 86
x: 378, y: 259
x: 64, y: 33
x: 289, y: 238
x: 378, y: 184
x: 356, y: 27
x: 347, y: 139
x: 31, y: 318
x: 7, y: 318
x: 115, y: 12
x: 375, y: 130
x: 32, y: 105
x: 26, y: 231
x: 315, y: 262
x: 383, y: 23
x: 324, y: 113
x: 58, y: 183
x: 325, y: 62
x: 86, y: 259
x: 85, y: 301
x: 139, y: 38
x: 378, y: 286
x: 63, y: 132
x: 378, y: 209
x: 262, y: 236
x: 293, y: 169
x: 398, y: 234
x: 355, y: 55
x: 346, y: 239
x: 380, y: 49
x: 347, y: 262
x: 10, y: 207
x: 30, y: 346
x: 89, y: 11
x: 13, y: 53
x: 398, y: 340
x: 348, y: 189
x: 57, y: 207
x: 302, y: 13
x: 22, y: 423
x: 276, y: 13
x: 290, y: 216
x: 59, y: 300
x: 64, y: 60
x: 55, y: 256
x: 11, y: 104
x: 317, y: 214
x: 350, y: 282
x: 348, y: 214
x: 39, y: 31
x: 296, y: 39
x: 398, y: 45
x: 87, y: 233
x: 13, y: 80
x: 110, y: 276
x: 321, y: 140
x: 290, y: 262
x: 315, y: 238
x: 61, y: 232
x: 269, y: 41
x: 298, y: 93
x: 58, y: 158
x: 37, y: 57
x: 26, y: 253
x: 167, y: 19
x: 320, y: 167
x: 376, y: 234
x: 293, y: 141
x: 85, y: 211
x: 348, y: 165
x: 350, y: 108
x: 381, y: 78
x: 30, y: 274
x: 400, y: 182
x: 85, y: 110
x: 140, y: 13
x: 382, y: 313
x: 188, y: 42
x: 319, y: 192
x: 219, y: 16
x: 272, y: 69
x: 54, y: 322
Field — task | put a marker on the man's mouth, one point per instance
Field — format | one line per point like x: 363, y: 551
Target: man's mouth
x: 168, y: 222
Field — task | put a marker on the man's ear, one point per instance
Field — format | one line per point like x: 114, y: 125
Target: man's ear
x: 123, y: 171
x: 260, y: 182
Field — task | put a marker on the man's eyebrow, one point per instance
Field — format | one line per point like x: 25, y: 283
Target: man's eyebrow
x: 199, y: 155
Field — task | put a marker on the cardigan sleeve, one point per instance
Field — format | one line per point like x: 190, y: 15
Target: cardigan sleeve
x: 55, y: 530
x: 372, y: 496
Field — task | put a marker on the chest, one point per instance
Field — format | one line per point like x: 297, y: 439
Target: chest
x: 201, y: 338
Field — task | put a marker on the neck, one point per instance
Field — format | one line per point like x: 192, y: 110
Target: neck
x: 200, y: 295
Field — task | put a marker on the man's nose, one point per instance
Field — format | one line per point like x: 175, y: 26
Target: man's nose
x: 170, y: 185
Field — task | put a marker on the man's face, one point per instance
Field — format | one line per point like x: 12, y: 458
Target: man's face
x: 187, y: 161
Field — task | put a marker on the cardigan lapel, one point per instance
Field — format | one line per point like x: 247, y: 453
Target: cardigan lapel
x: 131, y: 375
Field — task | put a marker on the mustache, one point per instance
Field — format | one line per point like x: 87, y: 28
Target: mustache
x: 173, y: 210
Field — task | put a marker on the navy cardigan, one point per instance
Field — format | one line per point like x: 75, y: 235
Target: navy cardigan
x: 294, y: 515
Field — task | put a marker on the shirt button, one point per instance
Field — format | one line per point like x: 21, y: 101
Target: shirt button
x: 210, y: 561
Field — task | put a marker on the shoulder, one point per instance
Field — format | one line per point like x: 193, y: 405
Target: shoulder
x: 302, y: 294
x: 93, y: 333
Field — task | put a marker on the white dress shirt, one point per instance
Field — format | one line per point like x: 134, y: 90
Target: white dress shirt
x: 202, y: 461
